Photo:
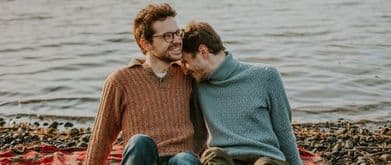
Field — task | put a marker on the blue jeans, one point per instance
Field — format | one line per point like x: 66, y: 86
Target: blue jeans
x: 142, y: 150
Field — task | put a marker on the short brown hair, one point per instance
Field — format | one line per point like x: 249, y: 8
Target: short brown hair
x: 142, y: 23
x: 197, y: 33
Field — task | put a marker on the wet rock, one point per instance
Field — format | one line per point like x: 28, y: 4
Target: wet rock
x: 2, y: 123
x: 85, y: 138
x: 7, y: 139
x: 385, y: 131
x: 58, y: 142
x: 355, y: 139
x: 341, y: 131
x: 74, y: 131
x: 5, y: 146
x: 62, y: 146
x: 18, y: 150
x: 27, y: 138
x: 82, y: 145
x: 12, y: 122
x: 18, y: 140
x: 16, y: 135
x: 36, y: 124
x: 336, y: 148
x: 386, y: 157
x: 85, y: 131
x: 68, y: 124
x: 36, y: 147
x: 54, y: 125
x: 75, y: 138
x: 20, y: 130
x: 331, y: 139
x: 48, y: 131
x: 71, y: 144
x: 348, y: 144
x: 13, y: 143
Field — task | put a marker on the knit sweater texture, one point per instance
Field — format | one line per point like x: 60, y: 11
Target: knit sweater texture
x: 135, y: 101
x: 247, y: 112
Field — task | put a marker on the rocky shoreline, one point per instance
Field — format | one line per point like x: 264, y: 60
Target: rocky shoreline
x: 340, y: 142
x: 344, y: 142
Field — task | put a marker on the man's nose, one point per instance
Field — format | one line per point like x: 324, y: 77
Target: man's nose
x: 177, y: 39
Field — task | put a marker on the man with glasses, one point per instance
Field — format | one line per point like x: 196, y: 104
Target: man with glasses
x: 149, y: 100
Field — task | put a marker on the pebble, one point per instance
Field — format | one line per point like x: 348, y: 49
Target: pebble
x: 68, y: 124
x: 348, y: 144
x: 74, y: 131
x: 36, y: 124
x: 54, y: 125
x: 85, y: 138
x: 2, y: 123
x: 386, y: 157
x: 82, y: 145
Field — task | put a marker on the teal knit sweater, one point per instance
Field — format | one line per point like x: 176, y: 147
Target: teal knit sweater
x: 247, y: 112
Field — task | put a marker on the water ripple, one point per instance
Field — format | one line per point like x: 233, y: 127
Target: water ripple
x: 26, y: 18
x: 297, y: 34
x: 331, y: 54
x: 16, y: 49
x: 32, y: 101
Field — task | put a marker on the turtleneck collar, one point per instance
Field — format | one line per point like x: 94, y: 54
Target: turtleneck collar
x: 225, y: 69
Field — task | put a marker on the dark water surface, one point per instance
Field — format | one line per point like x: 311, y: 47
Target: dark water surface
x: 334, y: 56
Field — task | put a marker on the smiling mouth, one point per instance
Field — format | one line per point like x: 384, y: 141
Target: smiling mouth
x: 176, y: 49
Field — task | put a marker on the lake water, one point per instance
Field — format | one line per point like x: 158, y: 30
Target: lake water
x: 334, y: 56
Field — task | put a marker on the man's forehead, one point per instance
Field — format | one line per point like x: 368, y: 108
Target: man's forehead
x: 167, y: 25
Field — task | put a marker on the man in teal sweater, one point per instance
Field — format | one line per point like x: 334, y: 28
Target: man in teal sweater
x: 245, y: 107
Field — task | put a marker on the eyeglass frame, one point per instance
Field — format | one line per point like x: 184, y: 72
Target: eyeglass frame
x: 179, y: 33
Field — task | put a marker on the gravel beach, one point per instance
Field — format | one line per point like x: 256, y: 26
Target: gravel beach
x: 338, y: 142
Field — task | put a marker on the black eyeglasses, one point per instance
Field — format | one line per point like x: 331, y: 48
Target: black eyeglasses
x: 169, y: 36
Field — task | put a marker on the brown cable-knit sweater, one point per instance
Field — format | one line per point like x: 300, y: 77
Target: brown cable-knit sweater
x: 135, y: 101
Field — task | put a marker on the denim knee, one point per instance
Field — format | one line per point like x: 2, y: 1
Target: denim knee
x: 141, y: 139
x: 140, y: 149
x: 184, y: 158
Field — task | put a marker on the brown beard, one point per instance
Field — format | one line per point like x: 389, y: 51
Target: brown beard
x: 166, y: 58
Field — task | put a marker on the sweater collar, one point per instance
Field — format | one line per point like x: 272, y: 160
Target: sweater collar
x: 138, y: 62
x: 225, y: 69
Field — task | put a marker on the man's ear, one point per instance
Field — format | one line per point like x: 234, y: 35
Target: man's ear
x: 204, y: 51
x: 146, y: 45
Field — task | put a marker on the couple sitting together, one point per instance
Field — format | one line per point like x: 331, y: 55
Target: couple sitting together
x: 191, y: 102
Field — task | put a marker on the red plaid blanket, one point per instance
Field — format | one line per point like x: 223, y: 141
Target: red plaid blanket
x: 48, y: 155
